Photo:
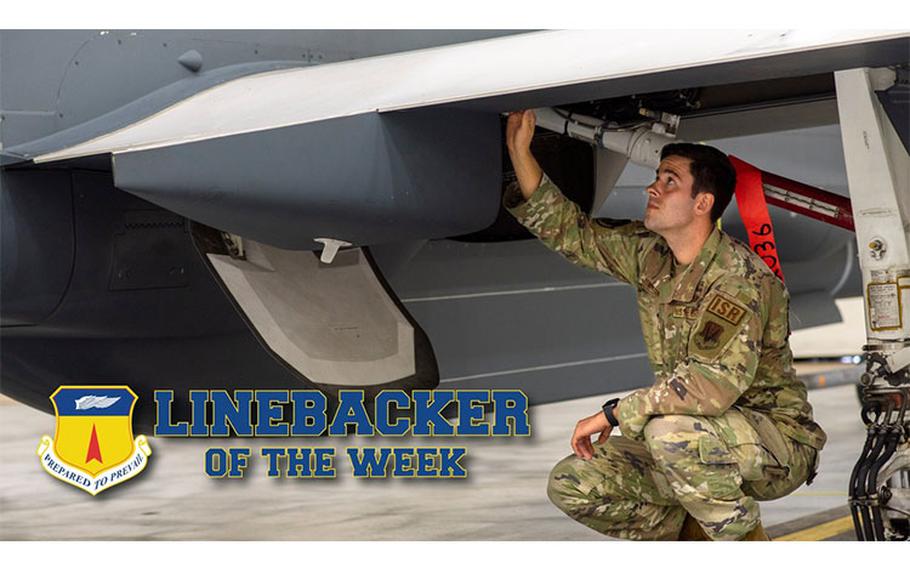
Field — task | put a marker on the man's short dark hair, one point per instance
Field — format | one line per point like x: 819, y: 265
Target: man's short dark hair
x: 712, y: 172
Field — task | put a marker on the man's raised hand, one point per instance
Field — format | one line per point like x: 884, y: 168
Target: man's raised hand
x: 520, y: 131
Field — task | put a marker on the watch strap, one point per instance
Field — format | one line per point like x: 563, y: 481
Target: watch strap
x: 608, y: 411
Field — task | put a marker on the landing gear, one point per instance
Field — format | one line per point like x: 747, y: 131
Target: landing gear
x: 880, y: 482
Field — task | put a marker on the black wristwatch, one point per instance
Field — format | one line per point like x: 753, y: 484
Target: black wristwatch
x: 608, y: 408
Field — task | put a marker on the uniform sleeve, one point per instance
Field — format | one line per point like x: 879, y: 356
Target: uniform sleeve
x: 604, y: 245
x: 724, y: 348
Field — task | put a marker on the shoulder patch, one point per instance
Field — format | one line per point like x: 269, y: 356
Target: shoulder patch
x: 726, y: 309
x: 708, y: 337
x: 719, y: 324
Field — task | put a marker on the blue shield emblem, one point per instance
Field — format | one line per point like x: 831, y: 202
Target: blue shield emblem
x: 93, y: 447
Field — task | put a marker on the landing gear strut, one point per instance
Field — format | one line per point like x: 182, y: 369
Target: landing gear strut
x: 878, y: 171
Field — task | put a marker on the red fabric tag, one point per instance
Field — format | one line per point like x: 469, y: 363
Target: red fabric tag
x: 750, y: 198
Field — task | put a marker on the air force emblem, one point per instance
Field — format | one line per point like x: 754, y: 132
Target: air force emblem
x: 93, y: 447
x: 709, y: 336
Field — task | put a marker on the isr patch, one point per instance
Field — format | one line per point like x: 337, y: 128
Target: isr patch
x: 726, y: 310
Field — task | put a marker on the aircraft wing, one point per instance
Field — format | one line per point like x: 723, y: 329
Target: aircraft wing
x: 408, y: 145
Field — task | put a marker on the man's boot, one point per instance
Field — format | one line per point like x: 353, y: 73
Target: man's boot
x: 757, y: 533
x: 691, y: 530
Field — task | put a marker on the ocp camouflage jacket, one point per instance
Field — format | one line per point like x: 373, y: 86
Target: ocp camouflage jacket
x: 716, y: 330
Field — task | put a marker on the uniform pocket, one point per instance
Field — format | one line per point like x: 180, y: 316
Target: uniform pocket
x: 771, y: 437
x: 753, y: 461
x: 715, y: 452
x: 781, y: 481
x: 745, y: 445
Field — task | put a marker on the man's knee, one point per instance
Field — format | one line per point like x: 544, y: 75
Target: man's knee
x: 703, y: 473
x: 564, y: 486
x: 674, y: 431
x: 695, y: 460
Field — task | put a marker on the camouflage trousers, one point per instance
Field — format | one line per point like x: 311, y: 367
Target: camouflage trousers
x: 714, y: 468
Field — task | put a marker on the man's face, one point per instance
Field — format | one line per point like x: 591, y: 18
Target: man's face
x: 670, y: 202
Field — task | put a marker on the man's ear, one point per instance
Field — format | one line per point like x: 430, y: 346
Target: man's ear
x: 704, y: 201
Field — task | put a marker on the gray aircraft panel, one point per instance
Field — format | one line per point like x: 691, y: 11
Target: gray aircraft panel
x: 522, y: 264
x: 143, y: 107
x: 572, y: 337
x: 363, y: 179
x: 37, y: 245
x: 507, y: 315
x: 565, y: 382
x: 33, y: 65
x: 56, y: 79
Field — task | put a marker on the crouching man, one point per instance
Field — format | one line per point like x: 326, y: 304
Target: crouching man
x: 726, y: 423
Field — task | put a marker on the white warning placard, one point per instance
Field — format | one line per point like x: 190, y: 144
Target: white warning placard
x: 884, y: 307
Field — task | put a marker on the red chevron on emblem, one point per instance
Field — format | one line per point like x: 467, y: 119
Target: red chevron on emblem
x: 94, y: 450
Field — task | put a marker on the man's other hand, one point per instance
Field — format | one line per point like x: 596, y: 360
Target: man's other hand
x: 587, y: 427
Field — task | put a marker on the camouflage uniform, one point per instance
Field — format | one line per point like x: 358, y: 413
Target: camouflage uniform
x: 726, y: 422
